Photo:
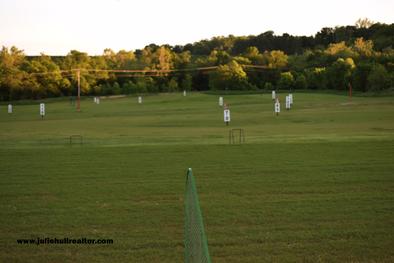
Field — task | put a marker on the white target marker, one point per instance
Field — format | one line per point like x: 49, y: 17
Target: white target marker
x: 95, y: 99
x: 277, y: 107
x: 221, y: 101
x: 226, y: 116
x: 291, y: 98
x: 98, y: 100
x: 273, y: 95
x: 287, y: 102
x: 9, y: 108
x: 42, y: 110
x: 184, y: 93
x: 139, y: 99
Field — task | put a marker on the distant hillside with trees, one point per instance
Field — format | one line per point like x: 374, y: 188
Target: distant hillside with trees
x: 334, y: 58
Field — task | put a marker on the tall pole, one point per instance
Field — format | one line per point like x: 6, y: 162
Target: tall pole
x: 79, y: 90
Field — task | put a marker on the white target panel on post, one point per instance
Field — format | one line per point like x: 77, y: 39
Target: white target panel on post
x: 95, y: 99
x: 273, y: 94
x: 287, y: 102
x: 184, y: 93
x: 139, y: 99
x: 98, y: 100
x: 42, y: 109
x: 277, y: 107
x: 226, y: 115
x: 221, y: 101
x: 9, y: 108
x: 291, y: 98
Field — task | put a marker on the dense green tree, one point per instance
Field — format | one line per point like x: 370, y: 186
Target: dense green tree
x: 182, y: 60
x: 360, y: 76
x: 125, y: 59
x: 165, y: 58
x: 11, y: 75
x: 344, y: 33
x: 145, y: 58
x: 286, y: 81
x: 363, y: 47
x: 382, y: 36
x: 76, y: 60
x: 97, y: 90
x: 339, y: 50
x: 254, y: 56
x: 268, y: 86
x: 109, y: 58
x: 47, y: 75
x: 219, y: 57
x: 229, y: 77
x: 151, y: 85
x: 300, y: 82
x: 378, y: 78
x: 141, y: 85
x: 299, y: 62
x: 187, y: 82
x: 128, y: 87
x: 361, y: 54
x: 173, y: 85
x: 242, y: 60
x: 325, y: 36
x: 116, y: 90
x: 338, y: 75
x: 276, y: 59
x: 316, y: 78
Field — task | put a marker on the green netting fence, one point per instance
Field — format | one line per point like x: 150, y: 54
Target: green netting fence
x: 196, y: 245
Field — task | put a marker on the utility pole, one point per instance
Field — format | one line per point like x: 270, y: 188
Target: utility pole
x: 79, y: 90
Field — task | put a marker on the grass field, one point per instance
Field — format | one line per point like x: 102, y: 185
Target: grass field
x: 315, y: 184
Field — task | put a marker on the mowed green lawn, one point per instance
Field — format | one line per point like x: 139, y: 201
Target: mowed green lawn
x: 315, y: 184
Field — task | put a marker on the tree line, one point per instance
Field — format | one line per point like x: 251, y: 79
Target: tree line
x: 361, y: 55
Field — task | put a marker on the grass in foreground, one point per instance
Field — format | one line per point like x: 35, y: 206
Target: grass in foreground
x: 315, y: 184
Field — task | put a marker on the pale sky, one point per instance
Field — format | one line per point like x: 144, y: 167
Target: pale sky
x: 57, y: 26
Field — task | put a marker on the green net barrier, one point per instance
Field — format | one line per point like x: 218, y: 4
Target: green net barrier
x: 196, y: 245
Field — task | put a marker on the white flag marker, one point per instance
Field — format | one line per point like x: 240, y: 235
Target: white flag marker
x: 288, y: 103
x: 277, y: 107
x: 221, y: 101
x: 226, y: 116
x: 42, y: 110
